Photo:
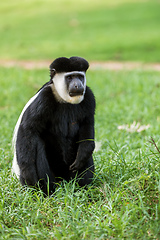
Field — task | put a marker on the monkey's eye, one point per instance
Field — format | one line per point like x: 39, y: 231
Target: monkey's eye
x: 81, y: 78
x: 69, y: 78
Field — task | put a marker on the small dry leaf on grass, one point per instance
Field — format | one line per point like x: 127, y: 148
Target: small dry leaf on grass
x: 134, y: 127
x: 98, y: 146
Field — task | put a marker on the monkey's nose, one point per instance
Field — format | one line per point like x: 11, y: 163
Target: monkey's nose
x: 76, y: 90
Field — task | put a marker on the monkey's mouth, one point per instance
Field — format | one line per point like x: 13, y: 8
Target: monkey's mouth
x: 74, y: 94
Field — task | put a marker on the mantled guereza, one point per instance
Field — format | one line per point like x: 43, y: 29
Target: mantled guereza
x: 54, y: 136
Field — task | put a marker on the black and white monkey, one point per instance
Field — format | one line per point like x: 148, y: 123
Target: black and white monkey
x: 54, y: 136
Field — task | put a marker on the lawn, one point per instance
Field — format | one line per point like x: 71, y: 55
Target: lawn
x: 123, y: 200
x: 97, y: 30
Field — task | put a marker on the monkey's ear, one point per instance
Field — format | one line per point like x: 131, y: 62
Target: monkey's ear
x: 52, y: 73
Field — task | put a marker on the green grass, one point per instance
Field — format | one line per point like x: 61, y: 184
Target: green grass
x: 123, y: 200
x: 97, y: 30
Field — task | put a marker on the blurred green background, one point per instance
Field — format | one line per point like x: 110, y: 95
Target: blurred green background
x: 117, y: 30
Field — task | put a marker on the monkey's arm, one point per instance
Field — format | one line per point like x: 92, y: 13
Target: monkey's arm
x: 86, y: 132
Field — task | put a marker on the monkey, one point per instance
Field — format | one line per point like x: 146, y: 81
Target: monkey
x: 54, y: 135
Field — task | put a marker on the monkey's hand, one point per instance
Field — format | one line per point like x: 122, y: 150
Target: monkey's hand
x: 76, y: 165
x: 85, y: 150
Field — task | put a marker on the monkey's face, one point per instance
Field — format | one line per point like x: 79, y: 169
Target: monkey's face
x: 70, y: 86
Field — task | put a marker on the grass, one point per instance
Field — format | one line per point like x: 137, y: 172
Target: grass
x: 123, y: 200
x: 97, y: 30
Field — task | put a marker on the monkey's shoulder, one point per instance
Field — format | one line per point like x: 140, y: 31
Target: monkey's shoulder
x: 45, y: 98
x: 89, y: 101
x: 89, y: 93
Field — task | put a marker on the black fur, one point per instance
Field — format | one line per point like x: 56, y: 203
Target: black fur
x: 55, y: 140
x: 64, y: 64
